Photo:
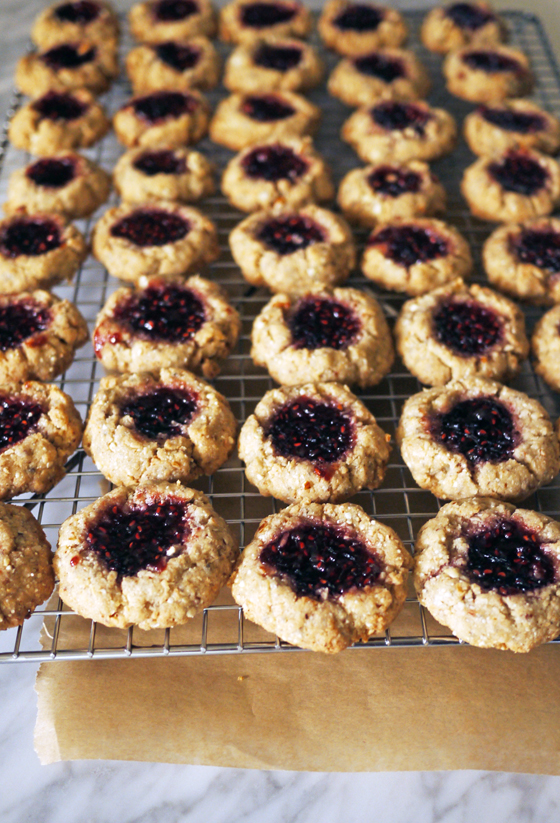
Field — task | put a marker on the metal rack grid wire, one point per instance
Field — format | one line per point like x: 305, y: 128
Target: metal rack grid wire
x: 54, y: 633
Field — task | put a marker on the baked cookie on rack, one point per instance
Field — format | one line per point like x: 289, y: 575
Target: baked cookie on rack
x: 546, y: 347
x: 66, y: 67
x: 477, y: 437
x: 354, y: 28
x: 174, y: 64
x: 162, y: 118
x: 415, y: 255
x: 158, y: 21
x: 152, y: 556
x: 135, y: 241
x: 489, y: 571
x: 487, y: 73
x: 66, y: 22
x: 248, y: 20
x: 511, y: 124
x: 181, y: 325
x: 293, y: 251
x: 323, y: 337
x: 313, y: 443
x: 387, y: 73
x: 322, y: 577
x: 450, y: 27
x: 274, y: 64
x: 175, y: 174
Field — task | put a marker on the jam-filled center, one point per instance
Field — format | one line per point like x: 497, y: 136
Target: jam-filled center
x: 128, y: 539
x: 266, y: 108
x: 81, y: 12
x: 319, y: 560
x: 359, y: 17
x: 491, y: 62
x: 311, y: 430
x: 539, y: 247
x: 380, y: 66
x: 519, y: 173
x: 395, y: 116
x: 163, y: 312
x: 508, y: 558
x: 262, y: 15
x: 290, y: 233
x: 480, y: 428
x: 408, y: 245
x: 163, y: 104
x: 68, y: 56
x: 164, y: 161
x: 20, y: 321
x: 466, y: 327
x: 319, y: 322
x: 171, y: 11
x: 18, y: 418
x: 59, y: 106
x: 394, y: 181
x: 179, y: 56
x: 274, y: 163
x: 30, y: 236
x: 151, y: 227
x: 52, y: 172
x: 161, y: 413
x: 278, y: 58
x: 522, y: 122
x: 468, y: 15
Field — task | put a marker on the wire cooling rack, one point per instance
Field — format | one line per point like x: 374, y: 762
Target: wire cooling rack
x: 53, y: 632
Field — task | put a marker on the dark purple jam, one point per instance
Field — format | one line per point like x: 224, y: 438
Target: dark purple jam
x: 466, y: 327
x: 81, y: 12
x: 481, y: 429
x: 539, y: 247
x: 321, y: 561
x: 274, y: 163
x: 359, y: 17
x: 52, y: 172
x: 161, y: 413
x: 56, y: 105
x: 380, y: 66
x: 163, y: 161
x: 319, y: 322
x: 407, y: 245
x: 170, y: 11
x: 522, y: 122
x: 68, y: 56
x: 490, y: 61
x: 266, y: 107
x: 290, y: 233
x: 29, y: 236
x: 469, y: 16
x: 394, y: 181
x: 506, y: 557
x: 21, y: 320
x: 519, y: 173
x: 278, y: 58
x: 151, y: 227
x: 396, y: 116
x: 163, y: 104
x: 18, y: 418
x: 166, y: 312
x: 311, y: 430
x: 131, y: 538
x: 262, y: 15
x: 179, y: 56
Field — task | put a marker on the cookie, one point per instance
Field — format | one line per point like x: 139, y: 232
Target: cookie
x: 68, y: 66
x: 415, y: 255
x: 524, y: 260
x: 26, y: 572
x: 38, y: 251
x: 144, y: 429
x: 274, y: 64
x: 39, y: 335
x: 153, y: 557
x: 546, y: 348
x: 322, y: 577
x: 394, y: 130
x: 58, y: 121
x: 287, y: 173
x: 162, y: 118
x: 158, y: 21
x: 242, y: 120
x: 511, y: 187
x: 387, y: 73
x: 163, y: 173
x: 457, y: 332
x: 340, y: 336
x: 166, y: 324
x: 489, y: 572
x: 511, y: 124
x: 446, y: 28
x: 248, y: 20
x: 65, y: 183
x: 65, y: 22
x: 313, y: 443
x: 384, y: 191
x: 294, y: 251
x: 477, y: 437
x: 39, y: 430
x: 163, y: 239
x: 174, y: 64
x: 355, y: 28
x: 487, y: 73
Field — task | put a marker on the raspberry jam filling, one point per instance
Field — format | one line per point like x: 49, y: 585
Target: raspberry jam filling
x: 539, y: 247
x: 163, y: 312
x: 318, y: 322
x: 274, y: 163
x: 519, y: 173
x: 380, y: 66
x: 508, y: 558
x: 21, y: 320
x: 394, y: 116
x: 81, y: 13
x: 393, y: 181
x: 480, y: 428
x: 178, y: 56
x: 29, y: 236
x: 130, y: 538
x: 278, y: 58
x: 52, y: 172
x: 68, y: 56
x: 266, y: 108
x: 170, y: 11
x: 161, y: 413
x: 165, y: 161
x: 523, y: 122
x: 163, y: 104
x: 18, y: 418
x: 408, y: 245
x: 311, y: 430
x: 290, y: 233
x: 468, y: 16
x: 151, y: 227
x: 490, y: 61
x: 358, y: 17
x: 466, y: 327
x: 321, y: 561
x: 262, y: 15
x: 56, y: 105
